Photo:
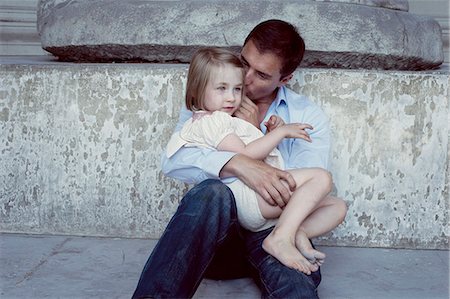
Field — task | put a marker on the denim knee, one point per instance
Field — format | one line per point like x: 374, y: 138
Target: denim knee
x: 213, y: 197
x: 278, y: 281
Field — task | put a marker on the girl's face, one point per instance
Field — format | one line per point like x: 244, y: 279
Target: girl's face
x: 224, y: 89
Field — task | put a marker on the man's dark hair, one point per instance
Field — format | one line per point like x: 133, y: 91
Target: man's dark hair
x: 282, y: 39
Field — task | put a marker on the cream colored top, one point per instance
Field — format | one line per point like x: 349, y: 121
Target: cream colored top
x: 206, y: 129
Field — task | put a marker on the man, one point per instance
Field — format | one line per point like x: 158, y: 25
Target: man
x: 204, y: 238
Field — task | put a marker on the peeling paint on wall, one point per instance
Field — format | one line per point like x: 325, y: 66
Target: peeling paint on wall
x: 80, y: 150
x: 389, y: 156
x: 81, y: 153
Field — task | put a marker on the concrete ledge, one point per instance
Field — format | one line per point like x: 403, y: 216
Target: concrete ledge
x: 344, y: 35
x: 81, y: 143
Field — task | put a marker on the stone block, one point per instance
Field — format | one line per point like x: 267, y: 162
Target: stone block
x: 392, y: 4
x: 340, y: 35
x: 81, y: 143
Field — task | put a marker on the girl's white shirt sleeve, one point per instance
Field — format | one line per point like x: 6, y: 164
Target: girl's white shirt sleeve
x: 207, y: 131
x: 193, y: 164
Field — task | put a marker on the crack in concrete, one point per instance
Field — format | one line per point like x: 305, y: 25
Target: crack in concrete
x: 44, y: 260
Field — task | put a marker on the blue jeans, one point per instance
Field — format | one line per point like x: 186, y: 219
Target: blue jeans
x: 204, y: 239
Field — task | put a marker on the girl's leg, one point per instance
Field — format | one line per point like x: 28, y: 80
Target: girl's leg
x: 328, y: 215
x: 313, y: 184
x: 275, y: 279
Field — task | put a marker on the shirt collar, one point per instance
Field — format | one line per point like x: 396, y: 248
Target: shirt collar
x: 281, y: 97
x: 279, y: 107
x: 280, y: 102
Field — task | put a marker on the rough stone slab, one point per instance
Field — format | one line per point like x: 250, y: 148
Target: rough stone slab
x: 78, y: 268
x: 81, y: 143
x: 341, y: 35
x: 391, y: 4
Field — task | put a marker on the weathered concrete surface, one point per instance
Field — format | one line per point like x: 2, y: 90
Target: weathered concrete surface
x: 81, y: 143
x: 80, y: 148
x: 342, y: 35
x: 390, y: 156
x: 70, y: 267
x: 392, y: 4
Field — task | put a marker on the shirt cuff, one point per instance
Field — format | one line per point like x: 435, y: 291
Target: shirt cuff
x: 215, y: 162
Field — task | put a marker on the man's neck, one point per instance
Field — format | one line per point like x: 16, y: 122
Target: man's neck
x: 262, y: 110
x: 264, y: 104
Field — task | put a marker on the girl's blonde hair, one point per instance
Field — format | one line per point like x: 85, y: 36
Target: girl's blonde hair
x: 202, y: 65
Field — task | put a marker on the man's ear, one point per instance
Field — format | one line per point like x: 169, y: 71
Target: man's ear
x: 285, y: 80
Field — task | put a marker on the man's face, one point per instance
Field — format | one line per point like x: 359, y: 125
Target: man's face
x: 262, y: 73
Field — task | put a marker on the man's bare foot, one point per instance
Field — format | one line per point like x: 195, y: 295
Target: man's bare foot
x: 304, y: 245
x: 284, y: 250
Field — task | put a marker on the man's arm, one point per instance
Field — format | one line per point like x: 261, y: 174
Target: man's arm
x: 193, y: 164
x: 317, y: 152
x: 267, y: 181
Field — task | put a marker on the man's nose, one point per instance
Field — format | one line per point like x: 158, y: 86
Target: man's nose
x: 248, y: 77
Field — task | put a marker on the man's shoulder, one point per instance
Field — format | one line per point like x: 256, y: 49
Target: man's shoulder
x: 298, y: 101
x: 304, y: 110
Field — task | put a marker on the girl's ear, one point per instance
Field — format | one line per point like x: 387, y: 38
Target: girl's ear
x: 285, y: 80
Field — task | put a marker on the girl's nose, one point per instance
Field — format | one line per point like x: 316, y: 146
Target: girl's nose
x: 231, y: 97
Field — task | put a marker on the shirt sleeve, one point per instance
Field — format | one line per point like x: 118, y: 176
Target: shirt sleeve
x: 192, y: 164
x: 317, y: 153
x: 214, y: 128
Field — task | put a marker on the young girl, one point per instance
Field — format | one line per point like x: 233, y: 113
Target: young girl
x: 214, y: 93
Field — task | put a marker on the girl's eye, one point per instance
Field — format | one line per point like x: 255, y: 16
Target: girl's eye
x: 221, y: 88
x: 238, y: 89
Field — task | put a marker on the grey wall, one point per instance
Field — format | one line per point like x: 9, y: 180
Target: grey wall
x: 81, y: 143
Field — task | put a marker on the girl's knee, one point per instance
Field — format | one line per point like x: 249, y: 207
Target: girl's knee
x: 342, y: 208
x: 325, y: 179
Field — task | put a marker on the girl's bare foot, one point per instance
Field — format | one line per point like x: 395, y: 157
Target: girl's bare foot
x: 285, y: 251
x: 304, y: 245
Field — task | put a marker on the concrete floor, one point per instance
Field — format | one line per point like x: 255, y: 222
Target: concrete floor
x: 42, y: 266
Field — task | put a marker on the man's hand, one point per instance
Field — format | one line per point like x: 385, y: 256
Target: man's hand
x: 248, y: 111
x: 271, y: 183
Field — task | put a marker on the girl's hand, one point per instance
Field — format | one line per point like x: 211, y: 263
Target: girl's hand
x: 248, y: 111
x: 274, y: 122
x: 297, y: 130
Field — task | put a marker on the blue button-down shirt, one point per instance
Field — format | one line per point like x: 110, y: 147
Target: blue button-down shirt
x: 193, y: 165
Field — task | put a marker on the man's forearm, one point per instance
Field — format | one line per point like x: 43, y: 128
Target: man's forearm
x: 230, y: 168
x: 193, y: 165
x: 262, y: 178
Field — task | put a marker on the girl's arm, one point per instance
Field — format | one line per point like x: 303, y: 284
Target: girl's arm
x: 273, y: 122
x: 261, y: 147
x: 193, y: 164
